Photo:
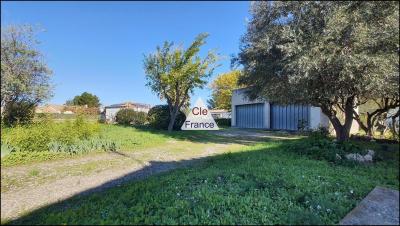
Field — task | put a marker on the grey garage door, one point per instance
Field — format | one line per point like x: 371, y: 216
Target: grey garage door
x: 289, y: 117
x: 250, y: 116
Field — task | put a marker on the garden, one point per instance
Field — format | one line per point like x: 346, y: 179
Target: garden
x: 245, y: 181
x: 267, y: 182
x: 66, y: 165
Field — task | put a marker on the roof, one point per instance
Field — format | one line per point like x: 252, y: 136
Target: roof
x: 128, y: 104
x: 218, y: 111
x: 50, y: 108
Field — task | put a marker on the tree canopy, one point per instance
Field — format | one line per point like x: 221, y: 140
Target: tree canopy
x: 85, y: 98
x: 332, y: 55
x: 222, y: 88
x: 173, y: 73
x: 25, y: 77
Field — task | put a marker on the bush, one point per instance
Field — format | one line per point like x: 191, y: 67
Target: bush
x: 37, y: 136
x: 223, y: 121
x: 319, y: 133
x: 159, y: 117
x: 324, y: 148
x: 130, y: 117
x: 18, y: 113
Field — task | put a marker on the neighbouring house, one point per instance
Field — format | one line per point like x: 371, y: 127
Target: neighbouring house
x: 66, y: 109
x: 267, y: 115
x: 220, y: 113
x: 110, y: 111
x: 50, y: 109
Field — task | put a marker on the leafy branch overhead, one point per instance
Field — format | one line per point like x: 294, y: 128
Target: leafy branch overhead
x: 333, y: 55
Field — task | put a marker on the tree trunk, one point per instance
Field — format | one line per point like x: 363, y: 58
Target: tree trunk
x: 370, y: 127
x: 173, y: 115
x: 342, y: 130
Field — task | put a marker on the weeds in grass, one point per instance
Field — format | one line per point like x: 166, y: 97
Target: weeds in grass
x: 262, y: 184
x: 34, y: 172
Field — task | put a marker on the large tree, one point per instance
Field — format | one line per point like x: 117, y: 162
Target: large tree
x: 327, y: 54
x: 25, y: 77
x: 173, y: 73
x: 85, y: 98
x: 222, y: 88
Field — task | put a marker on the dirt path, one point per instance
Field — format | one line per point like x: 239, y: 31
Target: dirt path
x: 256, y: 134
x: 25, y: 188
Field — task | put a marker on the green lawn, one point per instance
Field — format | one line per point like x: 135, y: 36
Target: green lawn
x: 126, y: 138
x: 261, y: 184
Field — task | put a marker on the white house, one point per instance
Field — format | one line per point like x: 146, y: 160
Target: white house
x: 266, y: 115
x: 220, y: 113
x: 110, y: 111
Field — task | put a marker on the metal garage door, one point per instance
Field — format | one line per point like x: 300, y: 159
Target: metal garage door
x: 250, y: 116
x: 289, y: 117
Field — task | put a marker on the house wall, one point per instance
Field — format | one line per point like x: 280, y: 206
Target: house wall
x: 317, y: 118
x: 110, y: 113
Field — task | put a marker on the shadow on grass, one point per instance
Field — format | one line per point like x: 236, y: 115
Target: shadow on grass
x: 224, y: 136
x: 152, y: 168
x: 249, y: 166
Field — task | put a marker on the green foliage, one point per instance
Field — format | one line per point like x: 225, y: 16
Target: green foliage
x: 262, y: 184
x: 37, y: 136
x: 20, y: 112
x: 24, y: 157
x: 174, y: 73
x: 6, y: 149
x: 83, y: 146
x: 65, y: 141
x: 85, y: 99
x: 159, y: 117
x: 130, y: 117
x: 319, y: 146
x: 317, y: 51
x: 25, y: 77
x: 222, y: 88
x: 322, y: 53
x: 223, y: 122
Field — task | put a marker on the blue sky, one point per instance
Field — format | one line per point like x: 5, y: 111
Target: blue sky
x: 99, y: 46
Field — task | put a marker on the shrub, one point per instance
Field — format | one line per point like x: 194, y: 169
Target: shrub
x: 33, y: 137
x: 319, y: 133
x: 21, y: 112
x: 324, y: 148
x: 37, y: 136
x: 223, y: 121
x: 159, y: 117
x: 130, y: 117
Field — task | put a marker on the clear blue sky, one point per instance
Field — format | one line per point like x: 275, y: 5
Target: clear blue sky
x: 98, y: 46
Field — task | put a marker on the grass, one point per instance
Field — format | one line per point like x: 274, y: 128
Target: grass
x: 147, y: 145
x: 261, y: 184
x: 126, y: 138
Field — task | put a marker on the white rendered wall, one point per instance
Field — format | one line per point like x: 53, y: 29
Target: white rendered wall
x: 317, y: 118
